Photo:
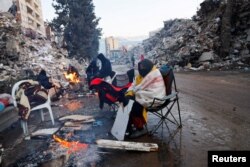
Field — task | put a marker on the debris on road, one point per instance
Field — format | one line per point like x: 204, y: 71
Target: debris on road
x: 125, y: 145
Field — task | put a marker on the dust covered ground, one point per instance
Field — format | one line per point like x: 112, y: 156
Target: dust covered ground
x: 215, y: 116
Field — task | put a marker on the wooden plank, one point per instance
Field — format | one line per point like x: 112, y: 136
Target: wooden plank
x: 78, y: 123
x: 76, y: 118
x: 121, y: 121
x: 125, y: 145
x: 44, y: 132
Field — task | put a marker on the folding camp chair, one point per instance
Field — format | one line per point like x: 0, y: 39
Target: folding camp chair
x: 164, y: 111
x: 112, y: 91
x: 108, y: 93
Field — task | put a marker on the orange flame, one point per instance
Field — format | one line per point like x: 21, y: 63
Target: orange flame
x: 72, y: 146
x: 72, y: 77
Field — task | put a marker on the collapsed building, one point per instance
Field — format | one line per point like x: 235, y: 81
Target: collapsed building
x: 217, y: 37
x: 21, y: 56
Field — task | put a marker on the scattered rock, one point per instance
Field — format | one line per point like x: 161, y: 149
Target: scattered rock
x: 22, y: 57
x: 206, y: 56
x: 183, y: 41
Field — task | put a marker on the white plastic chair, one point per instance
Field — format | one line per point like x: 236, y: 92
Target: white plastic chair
x: 40, y: 107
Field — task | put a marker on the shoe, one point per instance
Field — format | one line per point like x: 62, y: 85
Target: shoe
x: 138, y: 133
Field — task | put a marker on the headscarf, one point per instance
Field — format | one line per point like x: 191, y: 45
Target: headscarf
x: 144, y: 67
x: 43, y: 72
x: 101, y: 57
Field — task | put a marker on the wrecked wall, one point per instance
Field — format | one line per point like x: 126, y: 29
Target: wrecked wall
x: 218, y: 36
x: 22, y: 57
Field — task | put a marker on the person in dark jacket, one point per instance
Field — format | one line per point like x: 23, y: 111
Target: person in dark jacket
x: 43, y: 80
x: 92, y: 70
x: 106, y: 69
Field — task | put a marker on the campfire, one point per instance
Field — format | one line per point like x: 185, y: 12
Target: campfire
x: 72, y: 77
x: 71, y: 146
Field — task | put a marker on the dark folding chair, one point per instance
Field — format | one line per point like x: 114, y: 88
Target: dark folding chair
x: 165, y: 111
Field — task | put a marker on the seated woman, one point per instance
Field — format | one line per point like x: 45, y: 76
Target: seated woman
x: 106, y: 68
x: 44, y: 80
x: 147, y: 85
x: 92, y: 70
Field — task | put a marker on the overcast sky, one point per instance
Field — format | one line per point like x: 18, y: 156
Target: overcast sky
x: 128, y: 18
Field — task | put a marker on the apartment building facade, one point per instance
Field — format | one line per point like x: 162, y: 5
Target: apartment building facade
x: 29, y: 14
x: 111, y: 43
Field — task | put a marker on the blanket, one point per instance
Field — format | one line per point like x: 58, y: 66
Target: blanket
x: 30, y: 94
x: 150, y: 87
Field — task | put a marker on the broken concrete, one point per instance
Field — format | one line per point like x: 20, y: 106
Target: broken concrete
x: 22, y: 57
x: 183, y: 41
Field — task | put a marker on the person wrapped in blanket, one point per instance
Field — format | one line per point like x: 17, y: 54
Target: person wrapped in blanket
x: 30, y: 94
x: 146, y: 86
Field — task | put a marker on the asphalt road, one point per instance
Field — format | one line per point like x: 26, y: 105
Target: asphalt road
x: 215, y: 112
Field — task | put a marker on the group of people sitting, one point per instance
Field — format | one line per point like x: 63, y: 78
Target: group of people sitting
x: 35, y: 92
x: 147, y: 85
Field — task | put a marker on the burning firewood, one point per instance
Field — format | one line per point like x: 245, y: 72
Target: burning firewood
x: 71, y: 146
x: 72, y: 77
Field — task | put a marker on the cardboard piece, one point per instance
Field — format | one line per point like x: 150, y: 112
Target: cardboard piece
x: 121, y: 121
x: 44, y: 132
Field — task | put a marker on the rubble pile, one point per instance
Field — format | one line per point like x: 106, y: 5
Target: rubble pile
x: 22, y: 57
x: 9, y: 29
x: 198, y: 43
x: 175, y: 42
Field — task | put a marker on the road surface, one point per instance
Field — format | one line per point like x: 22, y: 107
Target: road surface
x: 215, y: 109
x: 215, y: 112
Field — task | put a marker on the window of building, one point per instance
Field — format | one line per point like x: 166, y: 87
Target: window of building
x: 30, y: 21
x: 37, y: 17
x: 38, y: 26
x: 36, y: 6
x: 29, y: 10
x: 28, y: 1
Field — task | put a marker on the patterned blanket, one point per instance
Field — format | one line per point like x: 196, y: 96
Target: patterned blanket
x: 30, y: 94
x: 151, y: 86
